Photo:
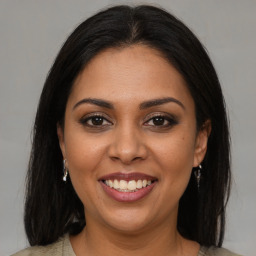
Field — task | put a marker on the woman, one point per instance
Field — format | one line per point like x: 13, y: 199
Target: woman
x: 131, y: 144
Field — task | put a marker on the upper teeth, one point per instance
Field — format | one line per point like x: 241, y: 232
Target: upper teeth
x: 130, y: 185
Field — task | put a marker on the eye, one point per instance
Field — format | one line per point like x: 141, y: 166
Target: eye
x: 161, y: 121
x: 96, y: 121
x: 158, y: 120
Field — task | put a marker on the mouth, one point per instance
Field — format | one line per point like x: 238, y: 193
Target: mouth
x: 127, y: 187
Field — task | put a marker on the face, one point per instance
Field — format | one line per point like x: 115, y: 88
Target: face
x: 130, y: 139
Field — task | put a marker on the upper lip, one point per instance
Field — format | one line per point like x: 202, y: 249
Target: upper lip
x: 127, y: 176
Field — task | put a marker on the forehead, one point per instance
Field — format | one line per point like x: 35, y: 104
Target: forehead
x: 132, y: 73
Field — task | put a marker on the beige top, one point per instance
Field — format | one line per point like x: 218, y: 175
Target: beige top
x: 63, y: 248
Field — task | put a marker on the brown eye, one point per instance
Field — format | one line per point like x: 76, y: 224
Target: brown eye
x: 159, y: 120
x: 97, y: 120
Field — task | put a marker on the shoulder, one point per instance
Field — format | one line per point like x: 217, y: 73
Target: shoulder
x: 59, y: 248
x: 215, y: 251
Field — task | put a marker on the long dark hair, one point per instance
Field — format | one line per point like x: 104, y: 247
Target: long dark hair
x: 52, y: 207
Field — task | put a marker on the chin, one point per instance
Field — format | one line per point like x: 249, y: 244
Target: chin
x: 129, y: 221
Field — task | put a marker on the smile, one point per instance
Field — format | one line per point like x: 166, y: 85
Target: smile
x: 129, y: 187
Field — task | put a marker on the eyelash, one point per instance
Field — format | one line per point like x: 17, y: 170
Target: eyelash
x: 85, y: 120
x: 171, y: 121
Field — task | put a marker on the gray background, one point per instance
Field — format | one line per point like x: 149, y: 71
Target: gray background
x: 31, y: 33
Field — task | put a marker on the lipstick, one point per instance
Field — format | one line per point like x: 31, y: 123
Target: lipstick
x: 127, y: 187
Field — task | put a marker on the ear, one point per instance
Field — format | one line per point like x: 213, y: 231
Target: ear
x: 60, y: 133
x: 201, y: 142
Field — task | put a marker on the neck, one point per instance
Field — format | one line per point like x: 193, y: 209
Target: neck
x: 158, y: 240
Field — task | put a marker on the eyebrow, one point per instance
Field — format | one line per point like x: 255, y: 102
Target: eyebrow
x: 157, y: 102
x: 143, y: 105
x: 98, y: 102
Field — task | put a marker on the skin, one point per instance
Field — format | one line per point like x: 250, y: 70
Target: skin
x: 129, y: 141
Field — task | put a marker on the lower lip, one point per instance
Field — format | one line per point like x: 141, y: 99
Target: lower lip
x: 127, y: 196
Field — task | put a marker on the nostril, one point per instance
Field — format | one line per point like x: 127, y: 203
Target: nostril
x: 114, y: 158
x: 127, y: 147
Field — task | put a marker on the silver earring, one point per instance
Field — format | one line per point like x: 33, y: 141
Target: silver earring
x: 198, y: 175
x: 65, y: 171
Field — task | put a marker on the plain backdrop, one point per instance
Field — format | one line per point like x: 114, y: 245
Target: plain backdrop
x: 32, y: 32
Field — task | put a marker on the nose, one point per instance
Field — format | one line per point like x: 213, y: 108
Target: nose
x: 127, y: 146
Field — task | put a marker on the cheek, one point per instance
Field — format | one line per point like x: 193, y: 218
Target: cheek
x: 175, y: 156
x: 83, y: 155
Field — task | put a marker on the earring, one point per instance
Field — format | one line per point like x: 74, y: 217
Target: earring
x: 198, y: 175
x: 65, y: 171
